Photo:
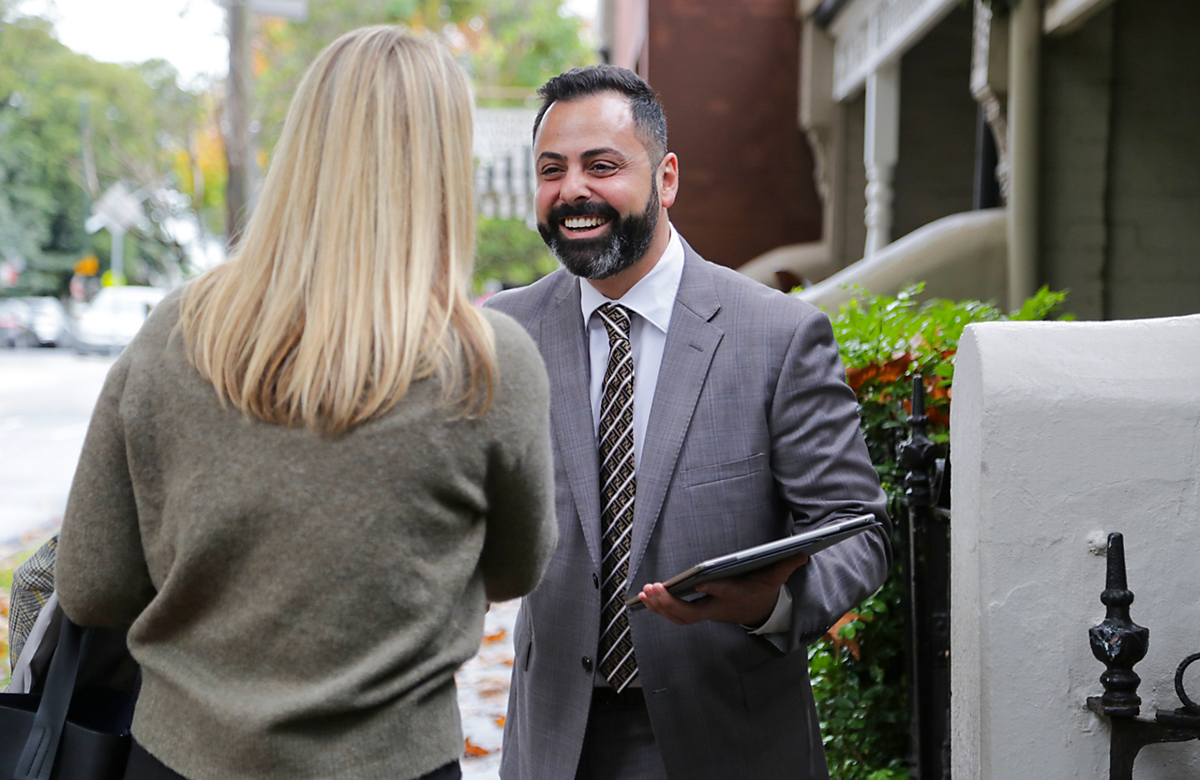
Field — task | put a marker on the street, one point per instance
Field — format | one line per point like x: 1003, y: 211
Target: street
x: 46, y: 400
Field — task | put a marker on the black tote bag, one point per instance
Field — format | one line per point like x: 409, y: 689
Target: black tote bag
x: 68, y: 731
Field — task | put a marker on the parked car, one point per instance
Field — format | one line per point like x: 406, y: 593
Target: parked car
x: 15, y: 328
x: 113, y: 318
x: 48, y: 320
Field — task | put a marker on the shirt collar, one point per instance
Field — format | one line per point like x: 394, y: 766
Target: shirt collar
x: 653, y: 297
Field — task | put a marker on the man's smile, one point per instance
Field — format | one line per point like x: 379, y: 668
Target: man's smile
x: 584, y: 227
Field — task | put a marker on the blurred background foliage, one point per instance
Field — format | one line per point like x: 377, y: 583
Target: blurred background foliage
x: 509, y: 47
x: 508, y: 252
x: 71, y: 127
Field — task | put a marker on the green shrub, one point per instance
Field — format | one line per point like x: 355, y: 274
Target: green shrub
x: 510, y: 253
x: 858, y: 672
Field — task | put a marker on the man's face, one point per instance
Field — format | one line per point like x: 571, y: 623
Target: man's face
x: 597, y: 196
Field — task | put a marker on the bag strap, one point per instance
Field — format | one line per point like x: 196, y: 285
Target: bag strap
x: 37, y: 760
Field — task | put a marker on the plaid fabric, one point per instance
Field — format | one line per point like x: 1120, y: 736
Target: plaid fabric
x: 33, y: 582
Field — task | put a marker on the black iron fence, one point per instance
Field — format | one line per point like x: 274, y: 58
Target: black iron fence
x: 926, y: 535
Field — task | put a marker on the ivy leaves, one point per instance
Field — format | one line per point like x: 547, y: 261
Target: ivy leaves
x: 857, y: 670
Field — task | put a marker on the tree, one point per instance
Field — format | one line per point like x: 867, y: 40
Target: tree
x: 509, y: 47
x: 70, y: 127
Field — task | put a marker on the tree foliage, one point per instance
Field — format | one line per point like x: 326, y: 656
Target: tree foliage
x: 507, y: 46
x: 857, y: 671
x: 70, y: 127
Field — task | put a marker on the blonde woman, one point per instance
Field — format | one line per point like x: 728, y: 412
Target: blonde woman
x: 315, y: 464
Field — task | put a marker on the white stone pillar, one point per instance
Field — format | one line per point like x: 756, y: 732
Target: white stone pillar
x: 1061, y: 433
x: 880, y: 152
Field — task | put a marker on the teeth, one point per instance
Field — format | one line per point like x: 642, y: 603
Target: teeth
x: 583, y: 223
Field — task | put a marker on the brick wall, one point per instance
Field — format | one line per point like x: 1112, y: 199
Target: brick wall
x: 936, y: 168
x: 726, y: 72
x: 1121, y: 162
x: 1154, y: 200
x: 1077, y: 102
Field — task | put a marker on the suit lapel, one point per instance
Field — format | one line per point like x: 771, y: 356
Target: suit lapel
x: 564, y: 348
x: 691, y: 343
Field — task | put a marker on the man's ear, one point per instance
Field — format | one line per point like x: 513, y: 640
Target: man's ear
x: 668, y: 180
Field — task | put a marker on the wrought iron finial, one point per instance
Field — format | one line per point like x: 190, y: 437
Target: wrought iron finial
x: 918, y: 453
x: 1118, y: 642
x: 918, y: 403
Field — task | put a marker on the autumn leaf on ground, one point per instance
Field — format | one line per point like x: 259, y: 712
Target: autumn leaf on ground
x: 491, y: 690
x: 492, y: 638
x: 474, y: 751
x: 500, y: 721
x: 834, y: 635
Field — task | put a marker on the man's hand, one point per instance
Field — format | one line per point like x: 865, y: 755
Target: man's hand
x: 747, y: 600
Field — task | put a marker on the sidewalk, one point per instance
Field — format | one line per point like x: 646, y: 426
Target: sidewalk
x: 483, y: 693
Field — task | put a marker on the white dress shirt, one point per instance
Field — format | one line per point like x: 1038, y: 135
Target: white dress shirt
x: 652, y: 299
x: 650, y: 303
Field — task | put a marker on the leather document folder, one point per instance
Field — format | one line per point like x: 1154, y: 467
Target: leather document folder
x: 751, y: 559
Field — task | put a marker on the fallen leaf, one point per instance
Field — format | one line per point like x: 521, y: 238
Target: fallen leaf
x: 474, y: 751
x: 833, y: 635
x: 491, y: 691
x: 496, y: 637
x: 500, y: 721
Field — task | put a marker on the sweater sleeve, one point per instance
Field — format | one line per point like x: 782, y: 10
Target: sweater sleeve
x: 101, y: 575
x: 521, y: 526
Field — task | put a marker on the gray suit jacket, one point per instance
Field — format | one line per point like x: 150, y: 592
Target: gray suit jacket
x: 752, y: 428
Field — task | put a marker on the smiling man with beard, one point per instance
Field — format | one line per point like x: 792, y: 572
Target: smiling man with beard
x: 695, y: 413
x: 607, y: 254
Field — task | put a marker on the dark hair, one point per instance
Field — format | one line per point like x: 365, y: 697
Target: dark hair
x: 648, y: 120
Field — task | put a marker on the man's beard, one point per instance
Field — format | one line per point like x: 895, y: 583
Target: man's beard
x: 625, y: 242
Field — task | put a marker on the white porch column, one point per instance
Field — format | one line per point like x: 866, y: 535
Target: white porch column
x: 1024, y: 145
x: 880, y: 151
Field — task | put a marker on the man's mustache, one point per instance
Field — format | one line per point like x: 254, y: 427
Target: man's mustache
x: 586, y: 209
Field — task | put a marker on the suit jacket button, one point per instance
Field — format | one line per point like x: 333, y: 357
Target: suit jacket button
x: 587, y: 664
x: 595, y: 581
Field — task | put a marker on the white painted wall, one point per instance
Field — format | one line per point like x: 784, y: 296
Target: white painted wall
x: 1059, y: 431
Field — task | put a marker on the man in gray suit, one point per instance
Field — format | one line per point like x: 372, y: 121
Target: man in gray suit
x: 695, y: 413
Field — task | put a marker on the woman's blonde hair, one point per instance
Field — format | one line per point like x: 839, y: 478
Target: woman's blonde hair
x: 352, y: 279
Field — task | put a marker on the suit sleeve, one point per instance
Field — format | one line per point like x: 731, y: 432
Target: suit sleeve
x: 823, y: 472
x: 521, y: 528
x: 101, y: 574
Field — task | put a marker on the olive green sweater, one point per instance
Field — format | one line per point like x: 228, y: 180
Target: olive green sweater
x: 299, y: 603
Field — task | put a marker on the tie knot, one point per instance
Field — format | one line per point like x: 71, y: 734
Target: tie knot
x: 616, y: 321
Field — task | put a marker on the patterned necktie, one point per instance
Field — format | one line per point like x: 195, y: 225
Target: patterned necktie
x: 617, y: 485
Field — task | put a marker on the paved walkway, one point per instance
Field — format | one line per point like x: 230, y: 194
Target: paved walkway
x: 483, y: 693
